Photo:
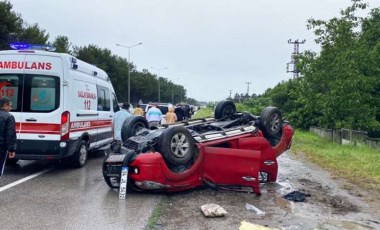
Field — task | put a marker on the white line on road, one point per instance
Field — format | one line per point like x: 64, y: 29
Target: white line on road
x: 23, y: 180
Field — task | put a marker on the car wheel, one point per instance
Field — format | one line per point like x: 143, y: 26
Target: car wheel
x: 176, y: 145
x: 80, y: 156
x: 224, y: 109
x: 271, y: 121
x: 132, y: 125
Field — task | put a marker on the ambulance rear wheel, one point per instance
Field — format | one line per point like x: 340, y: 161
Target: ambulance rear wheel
x: 80, y: 156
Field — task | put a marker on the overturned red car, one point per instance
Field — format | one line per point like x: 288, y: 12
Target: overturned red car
x: 233, y: 150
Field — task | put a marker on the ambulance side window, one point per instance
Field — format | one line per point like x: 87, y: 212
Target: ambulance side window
x: 114, y: 103
x: 104, y: 102
x: 9, y: 87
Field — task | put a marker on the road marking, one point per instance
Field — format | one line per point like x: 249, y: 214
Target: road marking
x: 23, y: 180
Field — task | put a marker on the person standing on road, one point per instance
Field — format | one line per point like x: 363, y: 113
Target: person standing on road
x: 179, y: 113
x: 7, y: 133
x: 154, y: 116
x: 138, y: 111
x: 171, y: 117
x: 118, y: 121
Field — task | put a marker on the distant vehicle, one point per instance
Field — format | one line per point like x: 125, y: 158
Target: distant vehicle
x: 63, y: 106
x: 234, y: 151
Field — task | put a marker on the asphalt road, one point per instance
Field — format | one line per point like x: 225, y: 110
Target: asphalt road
x: 57, y: 197
x: 65, y: 198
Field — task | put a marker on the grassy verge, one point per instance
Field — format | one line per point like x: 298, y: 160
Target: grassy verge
x: 358, y: 164
x: 156, y: 213
x: 204, y: 112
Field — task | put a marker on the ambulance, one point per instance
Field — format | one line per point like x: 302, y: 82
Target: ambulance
x: 63, y: 107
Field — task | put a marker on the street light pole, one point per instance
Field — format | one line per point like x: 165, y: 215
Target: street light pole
x: 158, y: 79
x: 129, y: 69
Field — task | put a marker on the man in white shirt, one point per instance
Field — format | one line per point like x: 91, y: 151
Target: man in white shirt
x: 118, y: 121
x: 154, y: 116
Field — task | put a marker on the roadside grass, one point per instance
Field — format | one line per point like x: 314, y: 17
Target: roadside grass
x: 357, y: 164
x: 156, y: 213
x: 202, y: 113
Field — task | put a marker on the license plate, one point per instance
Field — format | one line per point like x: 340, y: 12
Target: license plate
x: 123, y: 183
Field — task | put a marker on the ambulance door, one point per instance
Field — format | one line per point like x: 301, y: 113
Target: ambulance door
x: 105, y: 115
x: 41, y: 105
x: 11, y: 84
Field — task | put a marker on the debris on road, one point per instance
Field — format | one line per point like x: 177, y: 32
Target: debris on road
x: 250, y: 207
x: 296, y: 196
x: 213, y: 210
x: 249, y: 226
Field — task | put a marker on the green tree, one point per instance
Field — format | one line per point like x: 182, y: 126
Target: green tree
x: 336, y: 86
x: 62, y: 44
x: 33, y: 34
x: 10, y: 25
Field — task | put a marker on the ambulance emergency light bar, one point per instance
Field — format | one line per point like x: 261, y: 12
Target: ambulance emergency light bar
x: 27, y: 46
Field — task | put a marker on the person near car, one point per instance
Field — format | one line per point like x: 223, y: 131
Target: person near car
x: 170, y: 117
x: 138, y: 111
x: 154, y: 116
x: 186, y: 111
x: 118, y: 121
x: 7, y: 133
x: 179, y: 113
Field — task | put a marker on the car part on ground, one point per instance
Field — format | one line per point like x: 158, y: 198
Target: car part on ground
x: 192, y: 153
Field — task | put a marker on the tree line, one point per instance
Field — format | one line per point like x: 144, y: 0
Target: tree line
x: 339, y: 87
x: 144, y: 85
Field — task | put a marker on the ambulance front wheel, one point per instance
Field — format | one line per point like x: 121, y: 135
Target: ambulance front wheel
x: 80, y: 156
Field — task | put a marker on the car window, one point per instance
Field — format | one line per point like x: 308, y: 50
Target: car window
x: 164, y: 109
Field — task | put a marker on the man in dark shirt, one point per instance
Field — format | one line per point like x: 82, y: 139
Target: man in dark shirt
x: 179, y: 113
x: 7, y: 133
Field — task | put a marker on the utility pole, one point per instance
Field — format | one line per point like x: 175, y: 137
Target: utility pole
x: 248, y: 83
x: 231, y: 93
x: 292, y: 65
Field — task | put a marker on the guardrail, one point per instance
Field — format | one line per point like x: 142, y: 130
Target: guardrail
x: 346, y: 136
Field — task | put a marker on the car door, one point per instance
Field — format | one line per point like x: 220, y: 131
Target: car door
x: 231, y: 167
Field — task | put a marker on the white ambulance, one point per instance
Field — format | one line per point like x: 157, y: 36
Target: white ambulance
x: 63, y: 106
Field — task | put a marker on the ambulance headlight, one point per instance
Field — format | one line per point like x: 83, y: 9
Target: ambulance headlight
x: 62, y: 144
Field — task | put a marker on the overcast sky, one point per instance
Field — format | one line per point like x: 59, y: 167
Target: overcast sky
x: 209, y: 46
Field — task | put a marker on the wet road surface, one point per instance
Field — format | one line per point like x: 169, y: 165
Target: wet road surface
x: 332, y: 204
x: 66, y: 198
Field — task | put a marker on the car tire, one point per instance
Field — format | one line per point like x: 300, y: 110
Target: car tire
x: 224, y: 109
x: 132, y: 125
x: 176, y: 145
x: 79, y: 158
x: 271, y: 121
